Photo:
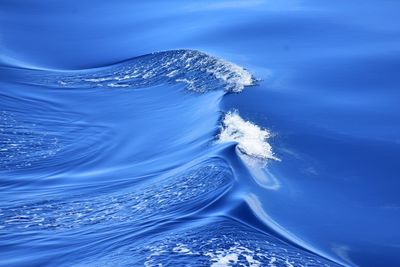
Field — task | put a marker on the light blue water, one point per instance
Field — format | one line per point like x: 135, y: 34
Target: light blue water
x: 128, y: 138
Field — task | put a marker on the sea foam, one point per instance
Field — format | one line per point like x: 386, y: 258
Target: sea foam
x: 251, y: 139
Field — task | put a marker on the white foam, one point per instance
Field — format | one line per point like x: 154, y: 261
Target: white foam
x: 230, y: 257
x: 235, y: 76
x: 250, y: 138
x: 182, y: 249
x: 117, y: 85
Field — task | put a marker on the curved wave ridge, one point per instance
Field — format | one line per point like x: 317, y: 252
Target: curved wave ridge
x: 198, y: 71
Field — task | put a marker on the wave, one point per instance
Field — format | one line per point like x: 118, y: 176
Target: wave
x: 138, y: 169
x: 166, y: 196
x: 198, y: 71
x: 210, y: 244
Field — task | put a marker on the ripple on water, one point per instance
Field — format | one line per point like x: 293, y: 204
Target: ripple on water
x: 23, y: 143
x: 176, y: 194
x: 45, y: 141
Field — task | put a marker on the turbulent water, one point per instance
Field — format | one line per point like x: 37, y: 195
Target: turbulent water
x: 180, y: 157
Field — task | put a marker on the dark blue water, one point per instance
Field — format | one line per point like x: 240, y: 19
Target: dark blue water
x: 129, y: 138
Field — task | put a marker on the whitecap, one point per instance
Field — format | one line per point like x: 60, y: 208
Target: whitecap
x: 251, y: 139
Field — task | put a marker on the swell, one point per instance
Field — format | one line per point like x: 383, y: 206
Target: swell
x: 132, y: 124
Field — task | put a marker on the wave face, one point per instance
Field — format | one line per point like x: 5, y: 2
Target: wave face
x: 133, y: 164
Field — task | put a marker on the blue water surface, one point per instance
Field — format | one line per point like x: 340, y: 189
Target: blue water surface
x: 111, y: 151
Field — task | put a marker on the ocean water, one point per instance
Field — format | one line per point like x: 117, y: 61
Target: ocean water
x: 188, y: 133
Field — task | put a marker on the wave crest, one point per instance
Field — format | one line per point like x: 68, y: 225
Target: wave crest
x: 198, y: 71
x: 251, y: 139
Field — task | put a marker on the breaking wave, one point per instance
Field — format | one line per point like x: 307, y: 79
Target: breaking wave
x: 198, y: 71
x: 124, y: 177
x: 250, y: 138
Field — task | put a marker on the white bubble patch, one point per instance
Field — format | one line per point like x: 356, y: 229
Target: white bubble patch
x: 250, y: 138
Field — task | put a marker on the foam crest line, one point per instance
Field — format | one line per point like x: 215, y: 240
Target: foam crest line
x: 198, y: 71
